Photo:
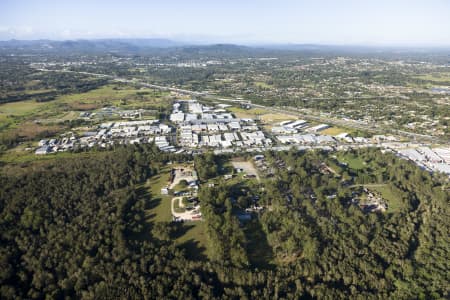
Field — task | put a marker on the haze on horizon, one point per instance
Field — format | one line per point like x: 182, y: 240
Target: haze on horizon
x: 381, y: 22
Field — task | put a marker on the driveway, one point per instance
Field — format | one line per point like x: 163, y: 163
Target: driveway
x: 187, y: 215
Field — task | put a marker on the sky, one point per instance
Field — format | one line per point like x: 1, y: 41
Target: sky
x: 338, y: 22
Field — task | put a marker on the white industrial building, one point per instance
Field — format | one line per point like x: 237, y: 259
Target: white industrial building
x: 318, y: 128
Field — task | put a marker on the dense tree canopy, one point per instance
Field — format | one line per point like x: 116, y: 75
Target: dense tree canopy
x: 74, y: 228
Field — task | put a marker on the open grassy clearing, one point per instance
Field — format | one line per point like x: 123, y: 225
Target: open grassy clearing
x: 20, y: 108
x: 334, y: 131
x: 262, y: 84
x: 159, y: 208
x: 16, y: 118
x: 353, y: 161
x: 31, y: 130
x: 276, y: 117
x: 193, y: 239
x: 126, y: 97
x: 103, y: 96
x: 439, y: 77
x: 265, y: 116
x: 191, y: 236
x: 389, y: 193
x: 252, y: 113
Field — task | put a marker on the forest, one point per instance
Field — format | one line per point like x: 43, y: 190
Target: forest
x: 75, y: 228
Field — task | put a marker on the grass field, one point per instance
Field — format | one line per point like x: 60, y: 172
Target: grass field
x: 103, y: 96
x: 334, y: 131
x: 262, y: 114
x: 16, y: 117
x: 263, y: 85
x: 159, y: 208
x: 247, y: 113
x: 276, y: 117
x: 389, y: 193
x: 353, y: 162
x: 441, y: 77
x: 20, y: 108
x: 190, y: 236
x: 111, y: 95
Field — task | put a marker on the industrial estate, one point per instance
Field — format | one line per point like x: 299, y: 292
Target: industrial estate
x: 195, y: 128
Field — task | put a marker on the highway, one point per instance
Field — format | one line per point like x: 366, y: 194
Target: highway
x: 295, y: 112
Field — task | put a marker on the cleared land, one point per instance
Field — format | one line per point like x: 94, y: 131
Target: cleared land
x: 263, y: 115
x: 183, y: 173
x: 440, y: 77
x: 67, y: 107
x: 353, y: 161
x: 252, y: 113
x: 190, y: 236
x: 247, y: 167
x: 193, y: 239
x: 20, y: 108
x: 275, y: 117
x: 159, y: 207
x: 334, y: 131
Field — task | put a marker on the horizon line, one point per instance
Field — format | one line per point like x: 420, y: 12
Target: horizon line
x: 212, y: 41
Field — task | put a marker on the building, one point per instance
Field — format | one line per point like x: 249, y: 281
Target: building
x: 195, y: 107
x: 43, y: 150
x: 177, y: 117
x: 318, y: 128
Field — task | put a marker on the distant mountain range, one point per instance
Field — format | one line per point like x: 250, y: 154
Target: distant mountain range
x: 139, y: 46
x: 100, y: 44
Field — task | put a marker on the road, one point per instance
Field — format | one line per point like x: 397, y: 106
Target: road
x: 295, y: 112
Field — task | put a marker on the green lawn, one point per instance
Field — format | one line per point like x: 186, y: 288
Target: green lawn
x: 20, y: 108
x: 159, y: 206
x: 177, y: 208
x: 192, y: 238
x: 354, y: 162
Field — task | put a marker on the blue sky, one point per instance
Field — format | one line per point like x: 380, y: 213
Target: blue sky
x: 374, y: 22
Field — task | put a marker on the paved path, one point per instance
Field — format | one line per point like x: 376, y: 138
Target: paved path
x: 187, y: 215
